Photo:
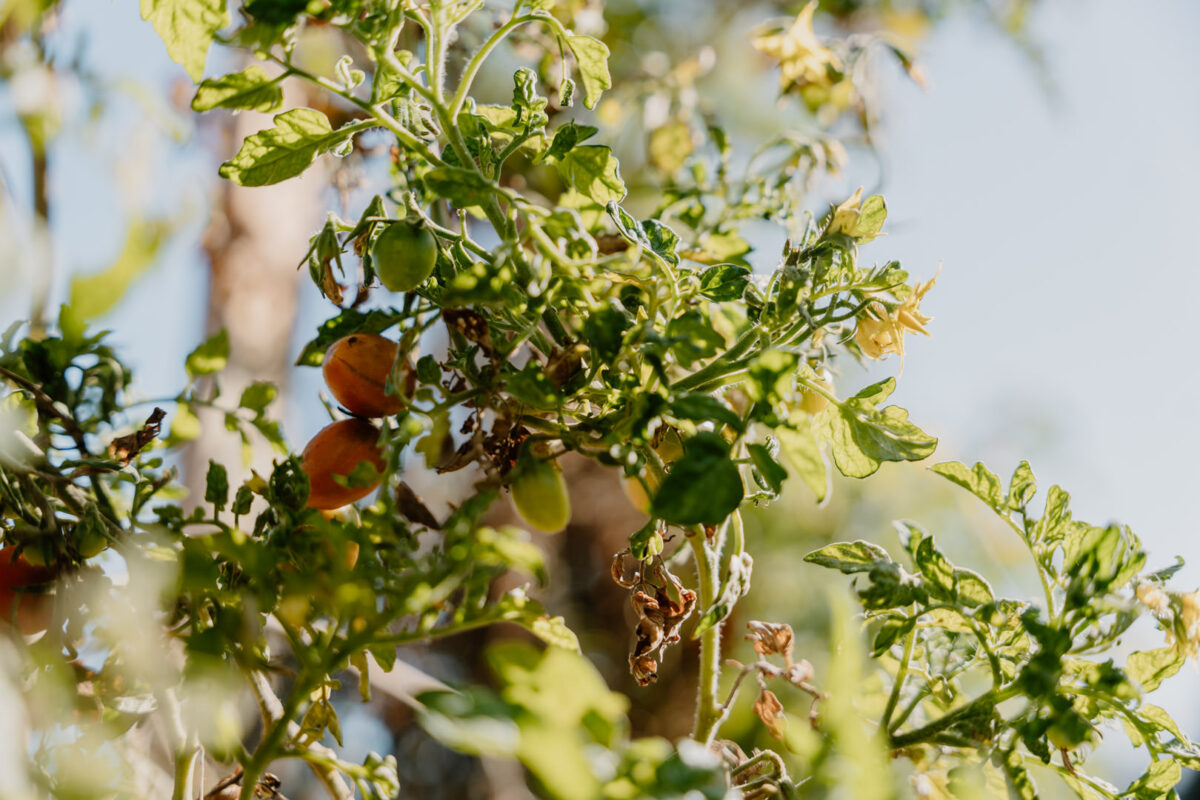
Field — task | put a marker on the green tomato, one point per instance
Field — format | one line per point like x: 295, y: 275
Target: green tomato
x: 403, y: 255
x: 539, y: 494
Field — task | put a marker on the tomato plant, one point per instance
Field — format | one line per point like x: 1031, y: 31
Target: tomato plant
x: 555, y: 313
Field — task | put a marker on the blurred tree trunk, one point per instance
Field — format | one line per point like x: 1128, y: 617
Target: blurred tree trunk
x: 255, y: 239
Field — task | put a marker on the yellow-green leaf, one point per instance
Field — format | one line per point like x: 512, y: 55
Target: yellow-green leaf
x: 285, y: 150
x: 592, y: 56
x: 187, y: 27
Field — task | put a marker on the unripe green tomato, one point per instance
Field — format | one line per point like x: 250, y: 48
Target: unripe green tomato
x: 91, y: 542
x: 669, y: 446
x: 403, y: 255
x: 1069, y: 731
x: 40, y: 553
x: 539, y: 494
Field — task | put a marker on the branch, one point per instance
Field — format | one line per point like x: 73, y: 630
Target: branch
x: 273, y: 711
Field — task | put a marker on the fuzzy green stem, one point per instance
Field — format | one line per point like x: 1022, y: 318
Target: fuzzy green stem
x: 901, y: 675
x: 708, y: 707
x: 720, y: 367
x: 472, y: 68
x: 929, y: 730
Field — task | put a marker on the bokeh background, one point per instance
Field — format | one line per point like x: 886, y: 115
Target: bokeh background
x: 1049, y: 169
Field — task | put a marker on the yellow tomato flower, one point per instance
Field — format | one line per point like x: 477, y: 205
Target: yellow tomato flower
x: 1191, y: 622
x: 802, y: 58
x: 882, y: 334
x: 1153, y: 598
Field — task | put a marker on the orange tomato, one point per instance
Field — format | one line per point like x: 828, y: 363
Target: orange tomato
x: 336, y: 450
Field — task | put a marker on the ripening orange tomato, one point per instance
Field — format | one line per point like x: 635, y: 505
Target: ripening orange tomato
x: 24, y: 597
x: 356, y: 369
x: 336, y: 450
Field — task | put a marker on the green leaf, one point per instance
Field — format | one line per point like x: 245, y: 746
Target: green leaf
x: 864, y: 436
x: 973, y: 588
x: 470, y: 721
x: 257, y: 396
x: 1160, y: 778
x: 428, y: 371
x: 1149, y: 668
x: 871, y: 217
x: 662, y: 240
x: 1020, y: 785
x: 567, y: 137
x: 430, y: 445
x: 251, y: 89
x: 772, y: 376
x: 934, y: 567
x: 93, y: 296
x: 1022, y: 487
x: 978, y: 480
x: 724, y: 246
x: 285, y: 150
x: 1161, y: 720
x: 216, y: 485
x: 693, y: 338
x: 184, y: 427
x: 646, y: 542
x: 803, y: 453
x: 767, y: 467
x: 592, y: 56
x: 275, y: 12
x: 532, y: 386
x: 593, y: 172
x: 705, y: 408
x: 510, y: 546
x: 187, y: 27
x: 553, y: 631
x: 850, y: 557
x: 704, y: 486
x: 209, y: 357
x: 1055, y: 522
x: 890, y: 632
x: 242, y: 500
x: 465, y: 188
x: 724, y: 282
x: 605, y: 332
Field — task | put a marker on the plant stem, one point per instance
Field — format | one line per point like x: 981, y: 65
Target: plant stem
x: 280, y: 715
x: 472, y: 68
x: 901, y: 674
x: 708, y: 709
x: 1046, y: 588
x: 720, y: 366
x: 925, y: 732
x: 183, y: 746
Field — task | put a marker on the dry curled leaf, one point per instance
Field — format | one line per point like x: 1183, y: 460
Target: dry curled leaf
x: 644, y: 669
x: 471, y: 324
x: 413, y: 509
x: 125, y: 448
x: 625, y: 570
x: 771, y: 638
x: 563, y: 365
x: 770, y: 711
x: 799, y: 673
